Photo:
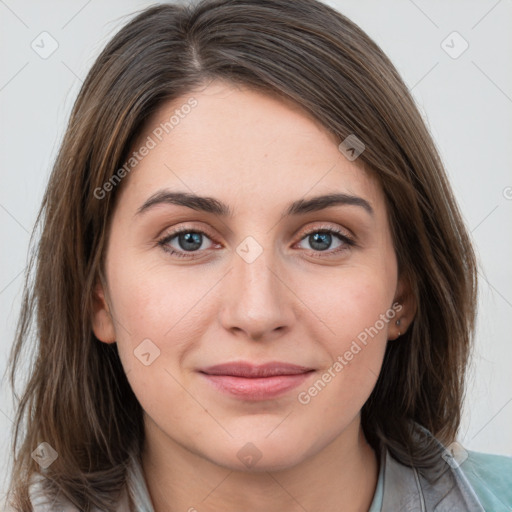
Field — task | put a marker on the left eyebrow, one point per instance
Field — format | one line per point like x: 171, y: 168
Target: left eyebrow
x: 318, y: 203
x: 212, y: 205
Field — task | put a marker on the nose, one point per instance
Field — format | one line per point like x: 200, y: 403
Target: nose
x: 257, y: 301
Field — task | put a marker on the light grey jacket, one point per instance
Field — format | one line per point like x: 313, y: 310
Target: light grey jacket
x: 461, y: 481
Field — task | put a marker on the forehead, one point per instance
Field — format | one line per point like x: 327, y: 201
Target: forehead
x: 237, y: 143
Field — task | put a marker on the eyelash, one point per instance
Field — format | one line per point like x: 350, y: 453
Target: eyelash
x: 347, y: 242
x: 162, y: 242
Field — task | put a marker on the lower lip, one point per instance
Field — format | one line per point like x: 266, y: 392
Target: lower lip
x: 262, y: 388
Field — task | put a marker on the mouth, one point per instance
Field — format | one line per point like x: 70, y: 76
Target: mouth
x: 256, y: 382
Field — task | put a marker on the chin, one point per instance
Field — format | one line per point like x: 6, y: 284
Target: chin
x: 261, y: 454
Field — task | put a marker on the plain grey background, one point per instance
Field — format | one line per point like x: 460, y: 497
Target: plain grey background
x: 464, y: 96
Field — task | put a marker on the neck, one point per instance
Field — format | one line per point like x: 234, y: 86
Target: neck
x: 341, y: 476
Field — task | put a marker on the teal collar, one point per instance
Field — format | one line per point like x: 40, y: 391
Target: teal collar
x: 400, y: 488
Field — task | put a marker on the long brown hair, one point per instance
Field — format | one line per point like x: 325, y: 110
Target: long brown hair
x: 77, y: 397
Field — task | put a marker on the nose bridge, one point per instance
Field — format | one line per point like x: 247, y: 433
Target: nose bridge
x: 255, y: 301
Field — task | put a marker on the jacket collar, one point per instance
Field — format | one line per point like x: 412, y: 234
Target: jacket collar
x: 442, y: 487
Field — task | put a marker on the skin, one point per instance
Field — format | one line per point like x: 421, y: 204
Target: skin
x: 293, y: 303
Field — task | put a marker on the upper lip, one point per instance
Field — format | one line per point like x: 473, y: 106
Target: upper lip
x: 249, y: 370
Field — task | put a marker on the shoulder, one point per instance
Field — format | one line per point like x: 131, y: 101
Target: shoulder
x: 491, y: 478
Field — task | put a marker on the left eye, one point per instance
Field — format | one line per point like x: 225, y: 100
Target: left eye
x: 321, y: 239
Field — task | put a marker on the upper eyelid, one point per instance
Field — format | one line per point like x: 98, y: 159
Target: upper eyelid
x: 302, y: 233
x: 185, y: 229
x: 326, y: 228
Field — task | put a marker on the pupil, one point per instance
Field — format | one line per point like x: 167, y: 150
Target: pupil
x: 190, y: 238
x: 319, y: 239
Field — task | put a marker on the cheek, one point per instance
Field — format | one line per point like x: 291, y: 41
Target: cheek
x: 349, y: 302
x: 355, y: 309
x: 153, y: 303
x: 158, y: 322
x: 162, y: 315
x: 137, y: 312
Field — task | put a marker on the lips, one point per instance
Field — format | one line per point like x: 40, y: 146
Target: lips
x: 256, y: 382
x: 248, y: 370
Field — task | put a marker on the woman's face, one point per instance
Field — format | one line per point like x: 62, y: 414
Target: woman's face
x: 257, y: 276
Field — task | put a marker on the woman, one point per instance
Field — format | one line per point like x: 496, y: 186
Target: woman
x: 253, y: 289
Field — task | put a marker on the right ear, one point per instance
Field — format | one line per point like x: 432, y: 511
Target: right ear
x: 102, y: 322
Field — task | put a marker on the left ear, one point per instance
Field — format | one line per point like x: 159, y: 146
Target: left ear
x: 102, y: 321
x: 406, y: 312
